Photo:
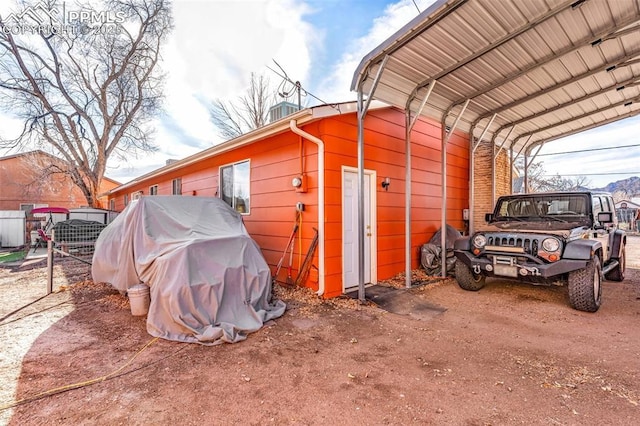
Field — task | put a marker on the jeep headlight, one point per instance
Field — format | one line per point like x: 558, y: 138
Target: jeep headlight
x: 479, y: 241
x: 550, y: 244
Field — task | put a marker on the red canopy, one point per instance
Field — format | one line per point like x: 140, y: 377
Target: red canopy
x: 38, y: 210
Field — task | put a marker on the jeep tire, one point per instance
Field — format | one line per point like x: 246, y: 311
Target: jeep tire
x: 585, y: 286
x: 617, y: 274
x: 467, y: 280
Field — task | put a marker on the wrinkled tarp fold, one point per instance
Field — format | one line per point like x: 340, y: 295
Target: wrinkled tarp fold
x: 209, y: 282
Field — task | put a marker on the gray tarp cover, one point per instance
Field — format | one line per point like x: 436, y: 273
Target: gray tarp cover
x: 430, y: 253
x: 209, y: 282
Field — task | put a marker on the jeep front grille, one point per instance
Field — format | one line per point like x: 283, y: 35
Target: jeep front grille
x: 529, y: 245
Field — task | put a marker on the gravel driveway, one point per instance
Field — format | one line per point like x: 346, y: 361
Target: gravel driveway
x: 510, y: 353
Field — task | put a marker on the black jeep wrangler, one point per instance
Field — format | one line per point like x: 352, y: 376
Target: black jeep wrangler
x: 566, y: 237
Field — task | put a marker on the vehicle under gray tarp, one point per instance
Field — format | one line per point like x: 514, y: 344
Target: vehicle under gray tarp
x: 430, y: 257
x: 209, y: 282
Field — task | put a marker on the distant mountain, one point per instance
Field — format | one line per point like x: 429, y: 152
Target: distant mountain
x: 629, y: 186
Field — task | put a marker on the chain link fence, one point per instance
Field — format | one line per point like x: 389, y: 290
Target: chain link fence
x: 75, y: 238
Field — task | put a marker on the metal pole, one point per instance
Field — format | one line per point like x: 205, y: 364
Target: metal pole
x: 526, y: 177
x: 537, y: 152
x: 482, y: 134
x: 361, y: 251
x: 443, y: 219
x: 374, y: 85
x: 409, y: 123
x: 407, y: 200
x: 49, y: 266
x: 362, y: 112
x: 511, y: 169
x: 472, y: 181
x: 493, y: 173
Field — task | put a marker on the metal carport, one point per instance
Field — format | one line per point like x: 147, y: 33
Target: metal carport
x: 512, y: 73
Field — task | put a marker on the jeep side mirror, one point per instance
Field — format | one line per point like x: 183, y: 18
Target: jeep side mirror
x: 488, y: 217
x: 605, y: 217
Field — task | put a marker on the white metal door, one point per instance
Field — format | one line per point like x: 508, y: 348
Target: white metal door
x: 350, y: 229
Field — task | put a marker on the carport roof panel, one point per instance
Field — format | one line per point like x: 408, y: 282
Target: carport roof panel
x: 551, y: 68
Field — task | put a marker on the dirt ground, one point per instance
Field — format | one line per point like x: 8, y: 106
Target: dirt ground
x: 508, y: 354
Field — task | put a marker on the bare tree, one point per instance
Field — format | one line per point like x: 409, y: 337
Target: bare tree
x: 539, y: 181
x: 620, y: 195
x: 249, y: 112
x: 85, y: 88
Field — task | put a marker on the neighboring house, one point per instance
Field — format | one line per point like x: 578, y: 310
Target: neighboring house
x: 22, y: 188
x: 627, y: 212
x: 308, y: 161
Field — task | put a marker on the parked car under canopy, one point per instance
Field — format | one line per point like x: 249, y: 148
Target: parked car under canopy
x: 209, y: 282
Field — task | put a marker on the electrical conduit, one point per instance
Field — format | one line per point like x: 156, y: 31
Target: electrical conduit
x: 298, y: 131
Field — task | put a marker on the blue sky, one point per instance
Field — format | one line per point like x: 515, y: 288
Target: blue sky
x: 216, y: 44
x: 605, y: 154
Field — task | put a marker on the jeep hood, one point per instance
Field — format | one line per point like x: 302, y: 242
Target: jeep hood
x: 560, y: 229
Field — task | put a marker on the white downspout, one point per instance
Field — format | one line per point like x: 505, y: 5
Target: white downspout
x: 298, y: 131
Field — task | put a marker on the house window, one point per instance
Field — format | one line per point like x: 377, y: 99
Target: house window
x: 112, y: 204
x: 126, y: 200
x: 136, y: 195
x: 176, y: 185
x: 153, y: 190
x: 234, y: 186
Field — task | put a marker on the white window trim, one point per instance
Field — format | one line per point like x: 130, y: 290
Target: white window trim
x: 173, y: 186
x: 248, y: 161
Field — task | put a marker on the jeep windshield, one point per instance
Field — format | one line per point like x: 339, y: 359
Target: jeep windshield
x: 543, y: 208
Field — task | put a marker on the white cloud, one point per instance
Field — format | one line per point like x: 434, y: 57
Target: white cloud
x: 10, y: 128
x: 214, y: 48
x: 337, y: 86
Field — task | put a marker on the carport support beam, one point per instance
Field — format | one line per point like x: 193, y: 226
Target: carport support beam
x: 443, y: 218
x: 409, y: 123
x: 362, y: 112
x: 472, y: 167
x: 486, y: 129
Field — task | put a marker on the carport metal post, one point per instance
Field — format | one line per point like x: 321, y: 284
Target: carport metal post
x: 472, y: 168
x: 409, y: 123
x: 362, y: 112
x: 443, y: 220
x: 511, y: 169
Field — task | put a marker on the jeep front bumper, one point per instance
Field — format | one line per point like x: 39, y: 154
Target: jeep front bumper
x: 509, y: 266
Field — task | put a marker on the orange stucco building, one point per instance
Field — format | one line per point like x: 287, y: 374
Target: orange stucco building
x: 308, y: 161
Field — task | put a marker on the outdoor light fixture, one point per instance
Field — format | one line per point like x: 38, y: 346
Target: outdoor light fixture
x: 385, y: 183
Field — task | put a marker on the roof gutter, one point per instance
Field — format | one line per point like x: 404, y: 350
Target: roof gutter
x: 293, y: 125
